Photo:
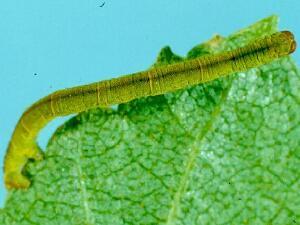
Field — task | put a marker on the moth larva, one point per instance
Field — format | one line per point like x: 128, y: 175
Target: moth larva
x: 155, y: 81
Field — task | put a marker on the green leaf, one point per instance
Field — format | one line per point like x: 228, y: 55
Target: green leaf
x: 225, y: 152
x: 166, y: 56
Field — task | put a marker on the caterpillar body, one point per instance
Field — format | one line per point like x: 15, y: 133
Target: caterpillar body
x: 155, y: 81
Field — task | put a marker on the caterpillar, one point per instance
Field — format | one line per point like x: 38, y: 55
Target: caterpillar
x: 154, y: 81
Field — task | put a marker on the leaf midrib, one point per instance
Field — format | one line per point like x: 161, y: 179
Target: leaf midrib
x: 196, y: 146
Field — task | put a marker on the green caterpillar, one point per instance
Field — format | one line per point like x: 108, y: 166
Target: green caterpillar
x: 155, y: 81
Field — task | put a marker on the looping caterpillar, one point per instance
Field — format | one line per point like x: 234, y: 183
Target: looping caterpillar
x: 155, y: 81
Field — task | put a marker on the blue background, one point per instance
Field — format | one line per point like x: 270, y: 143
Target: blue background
x: 70, y: 42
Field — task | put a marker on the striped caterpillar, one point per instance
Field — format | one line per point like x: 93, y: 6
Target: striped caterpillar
x: 155, y: 81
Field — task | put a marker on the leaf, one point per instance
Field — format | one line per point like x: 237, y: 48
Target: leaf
x: 225, y: 152
x: 166, y: 56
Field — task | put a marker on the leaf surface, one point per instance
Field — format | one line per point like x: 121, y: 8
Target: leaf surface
x: 224, y: 152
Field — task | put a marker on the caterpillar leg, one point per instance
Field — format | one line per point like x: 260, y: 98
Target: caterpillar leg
x: 15, y: 179
x: 36, y: 153
x: 15, y: 162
